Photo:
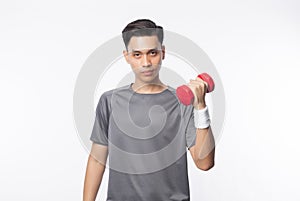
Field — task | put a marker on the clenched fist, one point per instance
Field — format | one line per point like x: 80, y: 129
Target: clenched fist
x: 199, y: 89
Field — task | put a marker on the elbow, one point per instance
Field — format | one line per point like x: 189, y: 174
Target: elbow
x: 205, y: 167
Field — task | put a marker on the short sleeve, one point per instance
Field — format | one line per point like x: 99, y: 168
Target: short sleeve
x: 100, y: 129
x: 190, y: 131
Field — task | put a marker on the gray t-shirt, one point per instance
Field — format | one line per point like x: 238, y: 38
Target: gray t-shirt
x: 147, y: 136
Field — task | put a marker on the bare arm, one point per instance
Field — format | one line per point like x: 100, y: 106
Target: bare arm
x: 94, y: 171
x: 203, y: 152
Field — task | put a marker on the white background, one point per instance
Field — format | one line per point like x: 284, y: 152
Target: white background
x: 254, y: 45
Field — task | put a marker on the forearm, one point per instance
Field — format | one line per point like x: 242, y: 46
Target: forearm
x: 204, y: 151
x: 93, y: 178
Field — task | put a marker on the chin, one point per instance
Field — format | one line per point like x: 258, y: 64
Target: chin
x: 148, y: 81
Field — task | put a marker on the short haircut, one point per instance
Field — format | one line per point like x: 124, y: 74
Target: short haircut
x: 142, y: 27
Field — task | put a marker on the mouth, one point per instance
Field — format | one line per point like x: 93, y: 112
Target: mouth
x: 148, y: 72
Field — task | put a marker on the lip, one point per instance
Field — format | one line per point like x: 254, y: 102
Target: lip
x: 148, y: 72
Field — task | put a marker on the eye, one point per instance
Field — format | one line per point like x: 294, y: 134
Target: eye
x: 153, y: 53
x: 136, y: 54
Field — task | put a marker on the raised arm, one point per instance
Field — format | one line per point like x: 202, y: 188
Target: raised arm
x: 203, y: 152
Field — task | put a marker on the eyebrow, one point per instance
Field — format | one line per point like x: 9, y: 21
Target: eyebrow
x: 147, y: 51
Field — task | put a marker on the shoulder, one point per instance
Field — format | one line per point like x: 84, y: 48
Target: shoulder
x: 108, y: 94
x: 104, y: 104
x: 172, y: 90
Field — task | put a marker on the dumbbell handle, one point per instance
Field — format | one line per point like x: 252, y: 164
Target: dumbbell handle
x: 185, y: 94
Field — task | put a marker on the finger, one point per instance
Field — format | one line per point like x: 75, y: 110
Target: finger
x: 199, y: 83
x: 196, y: 81
x: 199, y: 79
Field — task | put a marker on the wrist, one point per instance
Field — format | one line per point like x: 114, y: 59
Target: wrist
x: 201, y: 118
x: 199, y: 106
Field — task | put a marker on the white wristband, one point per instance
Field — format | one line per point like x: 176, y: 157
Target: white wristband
x: 201, y: 118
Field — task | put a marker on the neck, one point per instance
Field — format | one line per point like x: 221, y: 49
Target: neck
x: 155, y: 86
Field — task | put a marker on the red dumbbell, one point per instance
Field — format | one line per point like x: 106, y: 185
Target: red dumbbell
x: 185, y: 94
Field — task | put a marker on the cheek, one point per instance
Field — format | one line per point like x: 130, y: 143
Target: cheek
x: 158, y: 68
x: 158, y: 59
x: 134, y: 63
x: 135, y: 67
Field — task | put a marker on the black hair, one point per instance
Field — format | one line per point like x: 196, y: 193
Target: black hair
x: 142, y: 27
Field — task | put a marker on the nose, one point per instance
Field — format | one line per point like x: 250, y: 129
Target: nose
x: 146, y: 62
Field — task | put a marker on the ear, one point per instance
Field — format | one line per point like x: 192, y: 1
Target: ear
x: 163, y: 49
x: 125, y: 54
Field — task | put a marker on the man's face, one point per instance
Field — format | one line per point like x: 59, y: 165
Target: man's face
x: 145, y: 55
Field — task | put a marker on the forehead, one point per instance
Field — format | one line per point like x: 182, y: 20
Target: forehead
x: 143, y: 42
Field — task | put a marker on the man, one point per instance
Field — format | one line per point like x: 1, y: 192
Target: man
x: 128, y: 124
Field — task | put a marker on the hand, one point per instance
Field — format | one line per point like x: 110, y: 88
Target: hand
x: 199, y: 88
